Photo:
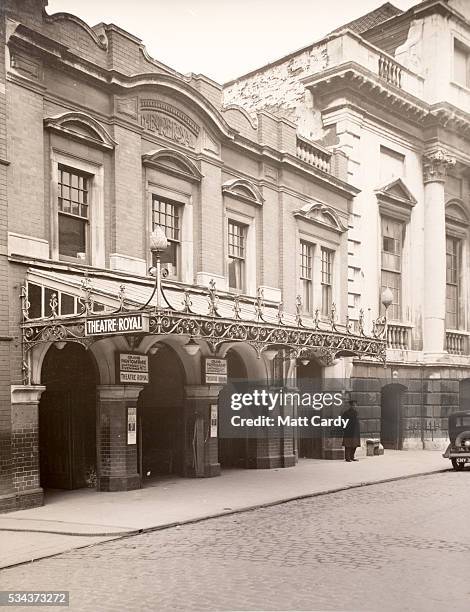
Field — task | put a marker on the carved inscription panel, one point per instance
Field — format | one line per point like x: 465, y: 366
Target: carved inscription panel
x: 168, y: 122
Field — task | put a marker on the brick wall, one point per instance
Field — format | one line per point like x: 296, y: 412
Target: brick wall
x: 211, y: 232
x: 25, y: 448
x: 128, y: 219
x: 26, y: 150
x: 5, y: 406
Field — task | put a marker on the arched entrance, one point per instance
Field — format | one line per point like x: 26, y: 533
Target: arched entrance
x: 161, y: 416
x: 391, y: 425
x: 308, y: 380
x: 233, y: 451
x: 67, y: 419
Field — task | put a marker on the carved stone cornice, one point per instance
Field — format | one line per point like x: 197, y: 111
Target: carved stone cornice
x: 370, y: 87
x: 436, y: 164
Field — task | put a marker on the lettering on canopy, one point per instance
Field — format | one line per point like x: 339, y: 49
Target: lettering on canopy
x: 117, y: 324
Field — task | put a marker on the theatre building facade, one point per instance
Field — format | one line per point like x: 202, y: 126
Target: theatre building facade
x: 151, y: 240
x: 391, y: 89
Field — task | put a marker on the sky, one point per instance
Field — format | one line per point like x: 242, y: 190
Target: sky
x: 222, y: 39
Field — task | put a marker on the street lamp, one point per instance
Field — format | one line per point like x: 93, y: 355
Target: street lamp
x: 191, y: 347
x: 158, y: 244
x: 387, y: 300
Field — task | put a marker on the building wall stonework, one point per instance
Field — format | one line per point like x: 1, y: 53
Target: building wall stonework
x: 153, y: 135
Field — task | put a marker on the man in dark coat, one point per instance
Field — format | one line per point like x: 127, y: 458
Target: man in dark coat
x: 352, y: 432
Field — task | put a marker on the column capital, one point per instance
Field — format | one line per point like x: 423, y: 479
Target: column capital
x: 118, y: 392
x: 203, y: 391
x: 436, y: 164
x: 26, y: 394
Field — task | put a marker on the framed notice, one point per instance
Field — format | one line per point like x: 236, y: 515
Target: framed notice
x: 133, y: 368
x: 215, y: 371
x: 214, y: 424
x: 131, y: 425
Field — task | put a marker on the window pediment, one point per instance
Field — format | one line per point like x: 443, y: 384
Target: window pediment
x: 244, y: 190
x: 322, y: 215
x: 82, y: 127
x: 173, y: 162
x: 457, y: 221
x: 396, y: 199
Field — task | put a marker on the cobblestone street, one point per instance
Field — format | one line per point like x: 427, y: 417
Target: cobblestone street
x: 403, y: 545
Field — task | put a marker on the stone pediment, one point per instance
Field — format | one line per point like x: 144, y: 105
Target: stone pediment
x: 173, y: 162
x: 243, y: 189
x: 81, y: 126
x: 457, y: 219
x: 397, y: 190
x: 396, y: 199
x: 322, y: 215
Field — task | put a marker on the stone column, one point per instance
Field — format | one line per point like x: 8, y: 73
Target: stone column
x: 435, y: 166
x: 25, y: 445
x: 201, y: 453
x: 116, y: 459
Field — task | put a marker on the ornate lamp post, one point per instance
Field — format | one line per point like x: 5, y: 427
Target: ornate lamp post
x: 387, y: 300
x: 158, y: 244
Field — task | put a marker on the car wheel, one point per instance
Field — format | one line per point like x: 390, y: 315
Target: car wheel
x: 457, y: 466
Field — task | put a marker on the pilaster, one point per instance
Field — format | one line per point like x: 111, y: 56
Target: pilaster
x: 25, y: 444
x: 117, y: 459
x: 201, y: 450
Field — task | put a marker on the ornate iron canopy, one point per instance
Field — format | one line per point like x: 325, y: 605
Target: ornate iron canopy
x: 205, y: 314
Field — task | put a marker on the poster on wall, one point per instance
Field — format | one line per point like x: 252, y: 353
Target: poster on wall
x: 131, y: 425
x: 214, y: 417
x: 215, y: 371
x: 133, y: 368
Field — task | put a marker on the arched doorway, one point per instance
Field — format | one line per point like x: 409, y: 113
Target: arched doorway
x: 391, y: 425
x: 67, y: 419
x: 309, y: 378
x: 161, y: 416
x: 233, y: 452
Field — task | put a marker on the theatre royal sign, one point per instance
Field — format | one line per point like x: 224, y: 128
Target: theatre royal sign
x: 118, y: 324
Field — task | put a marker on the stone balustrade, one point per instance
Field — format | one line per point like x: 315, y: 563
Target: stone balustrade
x: 398, y: 336
x: 456, y: 343
x: 347, y: 50
x: 313, y: 154
x: 389, y: 70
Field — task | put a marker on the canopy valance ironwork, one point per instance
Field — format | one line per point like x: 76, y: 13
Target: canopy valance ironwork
x: 69, y: 299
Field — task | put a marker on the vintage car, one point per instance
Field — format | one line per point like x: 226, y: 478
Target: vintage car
x: 458, y: 450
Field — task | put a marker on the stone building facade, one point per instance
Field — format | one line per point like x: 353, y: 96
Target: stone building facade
x: 104, y: 379
x: 391, y: 90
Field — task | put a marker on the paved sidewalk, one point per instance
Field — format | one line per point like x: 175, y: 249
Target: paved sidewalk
x: 73, y: 519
